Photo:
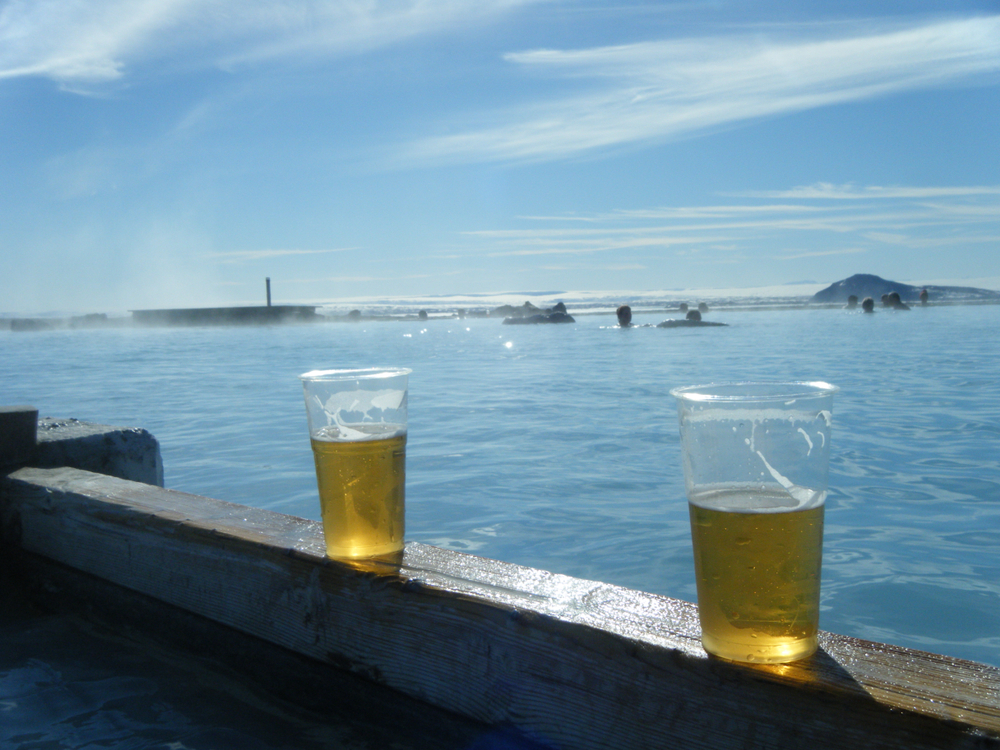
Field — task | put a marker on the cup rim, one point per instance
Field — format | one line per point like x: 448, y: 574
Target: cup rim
x: 755, y: 390
x: 358, y: 373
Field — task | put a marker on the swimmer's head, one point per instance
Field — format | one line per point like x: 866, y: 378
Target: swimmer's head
x: 624, y: 314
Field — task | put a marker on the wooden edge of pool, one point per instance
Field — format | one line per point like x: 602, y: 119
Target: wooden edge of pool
x: 574, y: 663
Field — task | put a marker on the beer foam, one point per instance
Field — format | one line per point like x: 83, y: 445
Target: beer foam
x: 349, y: 433
x: 757, y: 498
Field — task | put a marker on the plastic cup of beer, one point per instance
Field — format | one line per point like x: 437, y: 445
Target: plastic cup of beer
x: 756, y: 462
x: 357, y: 427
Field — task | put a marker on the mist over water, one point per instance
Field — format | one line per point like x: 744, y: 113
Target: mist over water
x: 557, y: 446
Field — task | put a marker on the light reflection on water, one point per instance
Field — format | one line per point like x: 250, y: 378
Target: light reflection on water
x: 557, y: 446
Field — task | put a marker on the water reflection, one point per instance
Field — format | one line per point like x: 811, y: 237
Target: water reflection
x: 565, y: 445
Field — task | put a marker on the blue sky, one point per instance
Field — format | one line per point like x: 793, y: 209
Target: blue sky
x: 175, y: 152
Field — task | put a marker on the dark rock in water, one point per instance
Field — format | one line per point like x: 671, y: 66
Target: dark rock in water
x: 552, y: 317
x: 526, y: 310
x: 688, y: 323
x: 863, y: 285
x: 31, y: 324
x: 91, y: 320
x: 510, y: 311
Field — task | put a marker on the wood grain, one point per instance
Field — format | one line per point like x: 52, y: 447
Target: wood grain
x: 575, y: 663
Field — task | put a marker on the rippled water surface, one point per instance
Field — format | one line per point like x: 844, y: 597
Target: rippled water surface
x: 557, y: 446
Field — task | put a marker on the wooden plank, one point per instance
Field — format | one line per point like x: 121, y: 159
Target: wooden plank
x: 578, y: 664
x: 18, y: 435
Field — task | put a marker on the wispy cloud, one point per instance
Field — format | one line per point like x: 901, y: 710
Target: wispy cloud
x: 599, y: 243
x: 240, y: 256
x: 87, y: 43
x: 366, y: 279
x: 880, y: 219
x: 827, y: 191
x: 893, y: 211
x: 319, y: 28
x: 821, y: 253
x: 658, y: 91
x: 81, y: 43
x: 915, y: 241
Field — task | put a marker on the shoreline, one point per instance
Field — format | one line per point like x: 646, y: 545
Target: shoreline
x: 243, y: 316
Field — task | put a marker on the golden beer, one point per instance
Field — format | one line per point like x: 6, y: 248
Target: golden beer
x: 361, y: 492
x: 758, y: 574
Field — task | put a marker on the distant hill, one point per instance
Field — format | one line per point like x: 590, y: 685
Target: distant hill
x: 863, y: 285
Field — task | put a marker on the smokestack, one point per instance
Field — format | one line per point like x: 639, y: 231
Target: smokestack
x: 268, y: 291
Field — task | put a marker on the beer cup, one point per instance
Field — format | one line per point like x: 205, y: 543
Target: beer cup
x: 756, y: 462
x: 357, y: 427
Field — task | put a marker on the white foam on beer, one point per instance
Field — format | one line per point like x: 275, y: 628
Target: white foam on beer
x: 344, y: 433
x: 757, y: 498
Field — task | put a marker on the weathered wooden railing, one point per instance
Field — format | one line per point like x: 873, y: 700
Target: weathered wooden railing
x: 573, y: 663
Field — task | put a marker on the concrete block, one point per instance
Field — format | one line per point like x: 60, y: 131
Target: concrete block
x: 124, y: 452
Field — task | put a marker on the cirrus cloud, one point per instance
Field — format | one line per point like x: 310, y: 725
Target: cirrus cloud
x: 88, y: 43
x: 658, y: 91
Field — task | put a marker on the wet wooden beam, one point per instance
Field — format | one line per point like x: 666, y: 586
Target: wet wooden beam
x: 573, y: 663
x: 18, y: 435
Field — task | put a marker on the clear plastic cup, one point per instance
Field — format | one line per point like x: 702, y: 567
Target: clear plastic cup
x: 756, y: 465
x: 357, y: 427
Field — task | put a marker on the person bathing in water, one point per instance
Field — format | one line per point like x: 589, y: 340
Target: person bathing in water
x: 692, y: 319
